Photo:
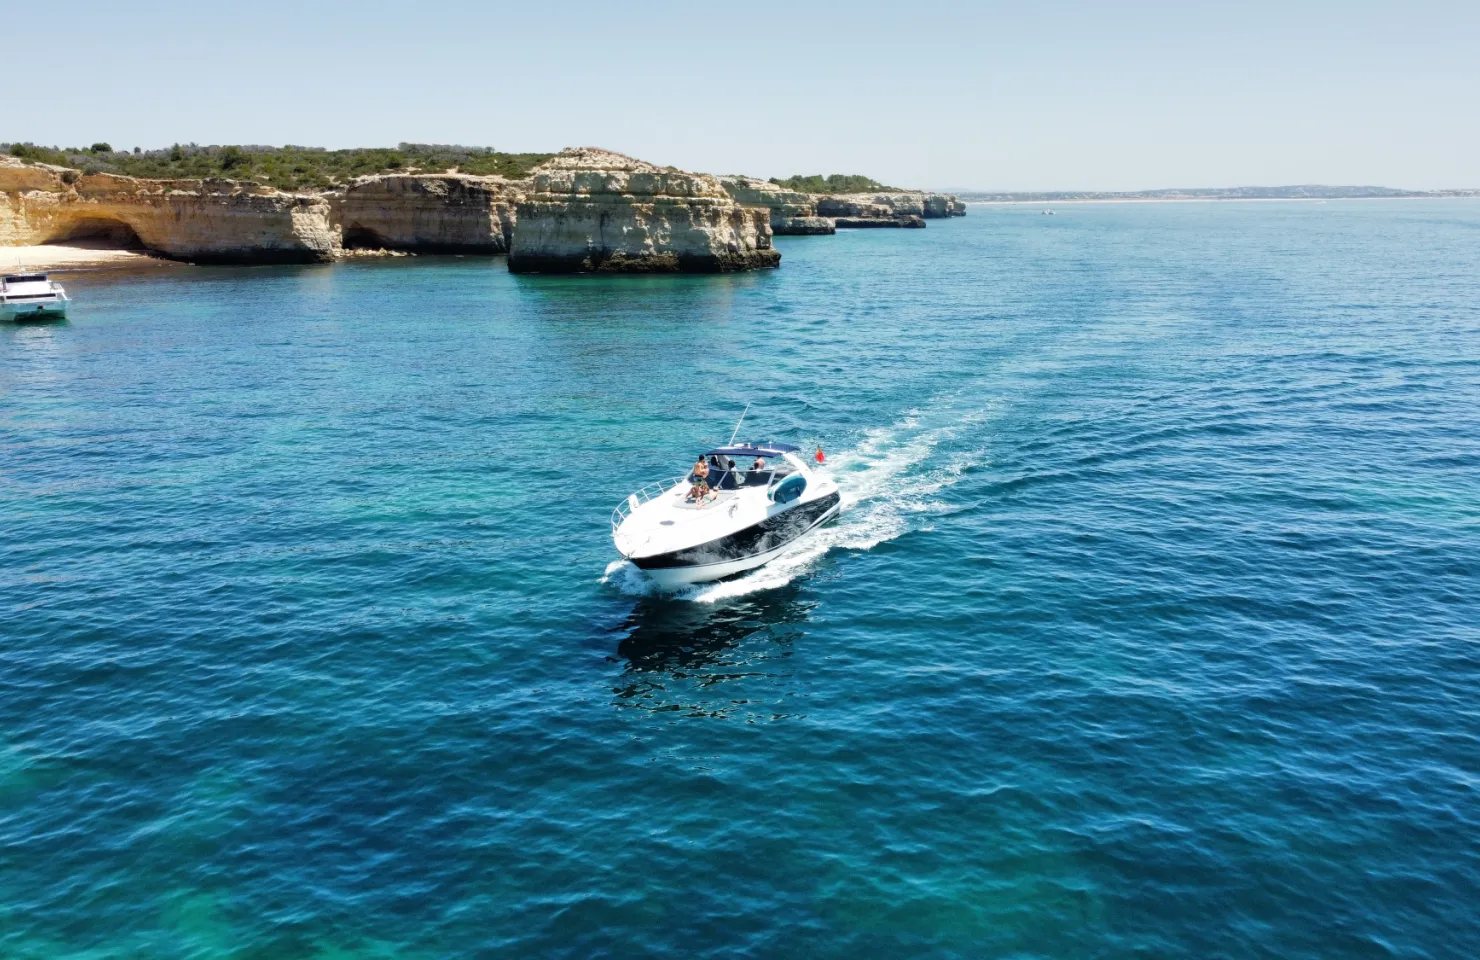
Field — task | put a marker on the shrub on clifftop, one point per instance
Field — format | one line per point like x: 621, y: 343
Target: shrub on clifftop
x: 833, y: 183
x: 287, y: 168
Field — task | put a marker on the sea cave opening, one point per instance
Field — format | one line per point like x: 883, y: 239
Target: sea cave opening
x: 103, y: 233
x: 357, y: 237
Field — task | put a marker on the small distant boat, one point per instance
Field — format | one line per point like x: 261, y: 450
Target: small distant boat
x: 31, y: 296
x: 1048, y: 213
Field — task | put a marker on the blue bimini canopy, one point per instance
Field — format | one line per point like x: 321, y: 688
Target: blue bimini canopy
x: 756, y: 448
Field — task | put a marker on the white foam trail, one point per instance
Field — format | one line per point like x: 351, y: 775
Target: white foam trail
x: 888, y: 482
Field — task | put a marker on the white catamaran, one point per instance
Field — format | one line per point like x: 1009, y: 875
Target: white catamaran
x: 31, y: 296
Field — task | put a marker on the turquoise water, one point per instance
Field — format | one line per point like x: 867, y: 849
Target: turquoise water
x: 1151, y: 627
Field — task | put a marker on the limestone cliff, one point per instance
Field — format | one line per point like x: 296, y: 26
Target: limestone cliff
x: 852, y: 205
x: 944, y: 205
x: 429, y: 213
x: 795, y: 212
x: 855, y: 223
x: 202, y: 220
x: 584, y: 209
x: 792, y: 212
x: 803, y: 226
x: 592, y: 210
x: 896, y: 204
x: 920, y: 204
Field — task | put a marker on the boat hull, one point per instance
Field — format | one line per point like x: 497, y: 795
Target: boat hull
x: 48, y: 310
x: 741, y: 551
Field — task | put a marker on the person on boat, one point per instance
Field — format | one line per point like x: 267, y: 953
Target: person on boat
x: 755, y: 475
x: 700, y: 478
x: 699, y: 492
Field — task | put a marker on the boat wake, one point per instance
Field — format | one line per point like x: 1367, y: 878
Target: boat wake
x: 891, y: 484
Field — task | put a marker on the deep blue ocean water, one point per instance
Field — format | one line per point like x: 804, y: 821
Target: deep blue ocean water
x: 1151, y: 628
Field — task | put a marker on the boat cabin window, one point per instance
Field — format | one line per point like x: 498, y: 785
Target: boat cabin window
x: 731, y: 467
x: 723, y: 476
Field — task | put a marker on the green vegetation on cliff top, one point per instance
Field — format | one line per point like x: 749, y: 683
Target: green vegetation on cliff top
x: 833, y: 183
x: 287, y: 168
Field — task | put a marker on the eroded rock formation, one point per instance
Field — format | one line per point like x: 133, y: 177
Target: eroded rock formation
x: 202, y: 220
x: 792, y: 212
x: 854, y: 223
x: 919, y: 204
x: 591, y: 210
x: 429, y: 213
x: 852, y: 205
x: 583, y: 210
x: 900, y: 204
x: 803, y: 226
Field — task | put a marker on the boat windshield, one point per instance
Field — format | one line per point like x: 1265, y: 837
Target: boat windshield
x: 732, y: 473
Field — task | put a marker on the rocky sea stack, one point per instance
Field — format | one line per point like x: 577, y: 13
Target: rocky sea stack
x: 590, y: 210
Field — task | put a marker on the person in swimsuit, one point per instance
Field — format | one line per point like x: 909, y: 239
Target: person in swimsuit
x: 700, y: 476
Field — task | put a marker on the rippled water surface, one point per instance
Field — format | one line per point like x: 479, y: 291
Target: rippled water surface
x: 1151, y: 627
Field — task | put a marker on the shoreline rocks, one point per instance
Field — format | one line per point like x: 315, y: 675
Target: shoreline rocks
x: 593, y: 211
x: 855, y: 223
x: 793, y: 212
x: 930, y: 206
x: 803, y: 226
x: 583, y: 210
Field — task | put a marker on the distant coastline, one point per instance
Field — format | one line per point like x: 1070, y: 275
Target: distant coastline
x: 582, y: 210
x: 1198, y: 194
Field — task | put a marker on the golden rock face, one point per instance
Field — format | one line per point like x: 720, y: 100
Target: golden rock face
x: 443, y: 213
x: 205, y: 220
x: 583, y: 209
x: 592, y: 210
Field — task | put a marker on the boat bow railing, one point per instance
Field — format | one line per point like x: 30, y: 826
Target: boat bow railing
x: 638, y: 498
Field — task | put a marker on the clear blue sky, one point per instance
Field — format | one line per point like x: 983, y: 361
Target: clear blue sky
x: 991, y: 95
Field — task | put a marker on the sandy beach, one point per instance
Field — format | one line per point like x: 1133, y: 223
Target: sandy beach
x: 70, y: 257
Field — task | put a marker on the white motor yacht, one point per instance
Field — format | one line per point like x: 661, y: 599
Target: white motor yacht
x: 31, y: 296
x: 763, y: 498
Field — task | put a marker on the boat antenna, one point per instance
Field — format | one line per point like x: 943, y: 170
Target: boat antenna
x: 737, y: 425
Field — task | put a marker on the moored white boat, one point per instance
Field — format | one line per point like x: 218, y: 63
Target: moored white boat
x: 31, y: 296
x: 751, y: 515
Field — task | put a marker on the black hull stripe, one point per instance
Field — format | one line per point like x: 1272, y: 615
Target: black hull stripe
x: 768, y: 535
